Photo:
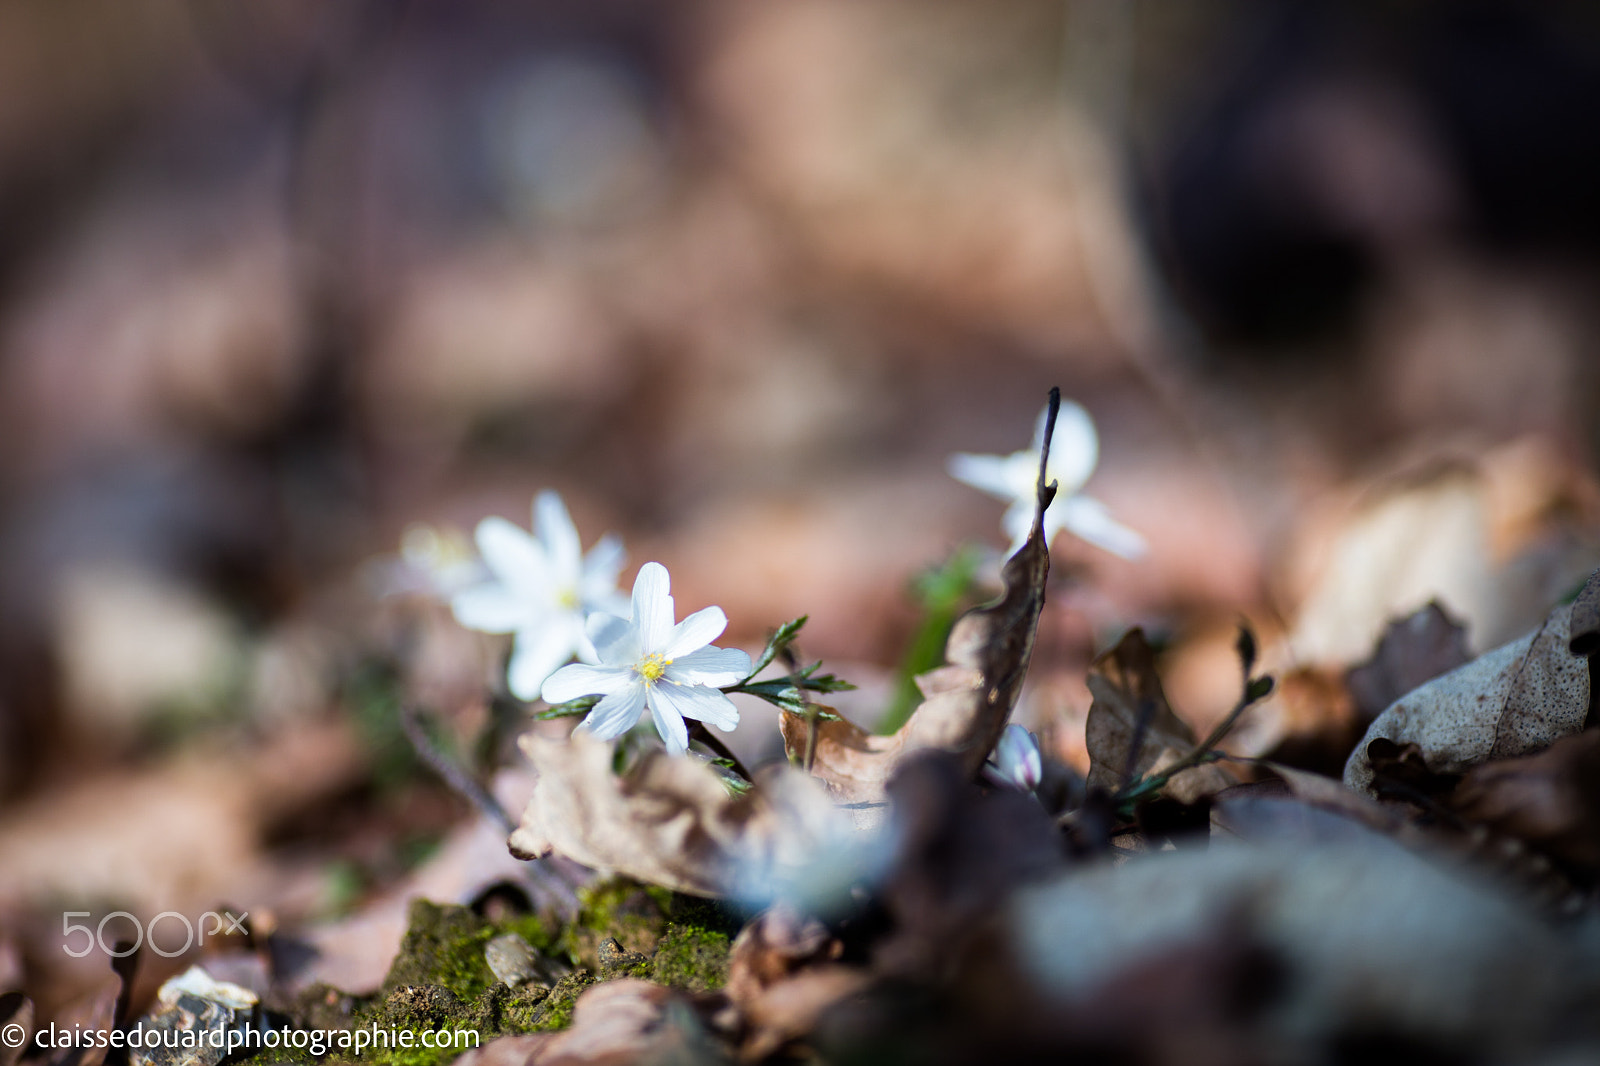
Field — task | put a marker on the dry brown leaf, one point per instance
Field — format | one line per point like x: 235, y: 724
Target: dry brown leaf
x: 966, y: 702
x: 1514, y: 700
x: 1329, y: 794
x: 667, y: 821
x: 782, y: 975
x: 791, y: 1008
x: 629, y: 1021
x: 1126, y: 691
x: 1550, y: 800
x: 772, y: 946
x: 1412, y: 651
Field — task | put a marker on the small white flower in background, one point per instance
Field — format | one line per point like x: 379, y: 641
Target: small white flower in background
x: 647, y: 661
x: 1016, y: 762
x: 1074, y: 450
x: 432, y: 562
x: 543, y: 589
x: 442, y: 561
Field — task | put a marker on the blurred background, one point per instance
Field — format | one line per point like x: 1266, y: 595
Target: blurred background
x: 281, y: 281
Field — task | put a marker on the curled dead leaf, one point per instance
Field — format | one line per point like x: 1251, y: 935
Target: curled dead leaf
x: 630, y: 1020
x: 782, y: 975
x: 669, y: 820
x: 1130, y: 709
x: 791, y: 1008
x: 1412, y: 651
x: 773, y: 946
x: 966, y: 702
x: 1508, y: 702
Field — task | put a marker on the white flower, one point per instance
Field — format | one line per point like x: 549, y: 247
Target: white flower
x: 543, y: 589
x: 647, y: 661
x: 1074, y: 450
x: 432, y: 562
x: 441, y: 559
x: 1016, y: 762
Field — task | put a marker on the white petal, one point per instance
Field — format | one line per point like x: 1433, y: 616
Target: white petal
x: 602, y: 566
x: 1089, y: 519
x: 554, y: 526
x: 514, y: 556
x: 987, y: 472
x: 616, y: 714
x: 695, y: 632
x: 580, y: 679
x: 710, y: 666
x: 1017, y: 758
x: 536, y: 655
x: 491, y: 608
x: 1018, y: 523
x: 669, y: 723
x: 612, y: 602
x: 652, y: 606
x: 1074, y: 450
x: 616, y: 640
x: 696, y: 701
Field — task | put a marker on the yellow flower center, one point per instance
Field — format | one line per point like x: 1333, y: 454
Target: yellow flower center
x: 568, y: 599
x: 651, y: 667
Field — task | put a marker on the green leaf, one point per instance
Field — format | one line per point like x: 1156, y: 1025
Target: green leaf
x: 781, y: 639
x: 942, y: 593
x: 570, y: 709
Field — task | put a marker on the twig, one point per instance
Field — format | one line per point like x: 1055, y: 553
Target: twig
x: 452, y: 772
x: 1141, y: 729
x: 1203, y: 752
x: 698, y: 731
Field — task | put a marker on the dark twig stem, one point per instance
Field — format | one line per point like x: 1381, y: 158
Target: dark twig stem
x: 1141, y: 729
x: 1203, y: 752
x: 698, y: 731
x: 452, y: 772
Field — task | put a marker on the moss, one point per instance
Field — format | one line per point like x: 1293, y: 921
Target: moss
x: 444, y: 946
x: 556, y: 1010
x: 440, y: 979
x: 619, y: 908
x: 507, y: 1010
x: 692, y: 958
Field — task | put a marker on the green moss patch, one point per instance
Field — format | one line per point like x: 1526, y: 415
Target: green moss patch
x: 441, y: 980
x: 444, y: 946
x: 692, y: 958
